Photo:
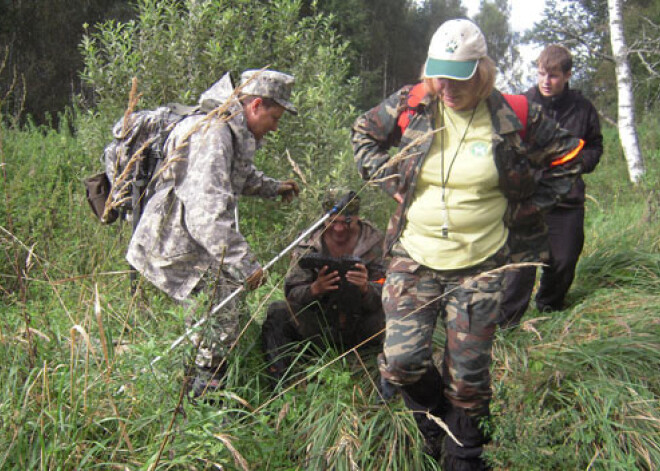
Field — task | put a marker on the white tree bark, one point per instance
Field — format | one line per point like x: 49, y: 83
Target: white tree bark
x: 627, y: 130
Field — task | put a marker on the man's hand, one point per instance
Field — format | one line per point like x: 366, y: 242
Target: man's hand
x: 256, y: 279
x: 325, y: 282
x: 359, y: 277
x: 288, y: 190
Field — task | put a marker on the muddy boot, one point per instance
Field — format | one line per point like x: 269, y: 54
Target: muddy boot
x: 466, y: 429
x: 206, y: 384
x: 427, y: 401
x: 386, y: 391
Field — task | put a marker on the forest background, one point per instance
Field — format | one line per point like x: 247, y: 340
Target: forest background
x: 578, y: 390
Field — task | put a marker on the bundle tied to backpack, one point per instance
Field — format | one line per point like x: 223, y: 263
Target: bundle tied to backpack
x: 131, y: 160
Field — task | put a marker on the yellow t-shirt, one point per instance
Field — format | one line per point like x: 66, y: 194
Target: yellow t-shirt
x: 473, y: 224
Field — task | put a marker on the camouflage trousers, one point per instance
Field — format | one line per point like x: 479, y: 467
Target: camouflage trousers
x: 220, y: 331
x: 467, y: 302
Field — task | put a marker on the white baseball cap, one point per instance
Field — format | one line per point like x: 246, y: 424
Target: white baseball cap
x: 455, y: 50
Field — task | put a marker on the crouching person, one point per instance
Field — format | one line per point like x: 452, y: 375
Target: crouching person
x: 333, y: 289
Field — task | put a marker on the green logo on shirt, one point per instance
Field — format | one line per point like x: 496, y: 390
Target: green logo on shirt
x: 479, y: 149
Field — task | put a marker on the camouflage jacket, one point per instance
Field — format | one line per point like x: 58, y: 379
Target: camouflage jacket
x: 368, y: 248
x: 188, y: 224
x: 528, y: 181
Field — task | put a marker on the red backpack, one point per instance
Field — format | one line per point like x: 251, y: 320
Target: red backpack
x: 517, y: 102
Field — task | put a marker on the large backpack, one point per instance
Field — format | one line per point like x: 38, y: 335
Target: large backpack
x: 517, y: 102
x: 131, y: 160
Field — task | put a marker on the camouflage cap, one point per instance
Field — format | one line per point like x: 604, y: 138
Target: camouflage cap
x: 334, y: 196
x: 271, y: 84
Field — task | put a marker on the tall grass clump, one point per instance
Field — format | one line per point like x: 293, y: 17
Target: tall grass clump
x: 579, y: 389
x: 79, y: 389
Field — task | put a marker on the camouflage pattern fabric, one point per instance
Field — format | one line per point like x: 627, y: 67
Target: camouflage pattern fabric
x: 527, y: 180
x: 220, y: 332
x: 188, y: 225
x: 414, y: 296
x: 467, y: 302
x: 271, y: 84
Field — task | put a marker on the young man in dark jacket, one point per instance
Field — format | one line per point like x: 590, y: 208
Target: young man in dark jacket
x: 566, y: 221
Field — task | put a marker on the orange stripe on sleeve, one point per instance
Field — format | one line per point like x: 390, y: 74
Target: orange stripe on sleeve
x: 568, y: 157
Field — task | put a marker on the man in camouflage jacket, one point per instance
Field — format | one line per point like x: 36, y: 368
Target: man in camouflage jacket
x: 187, y: 233
x: 342, y: 315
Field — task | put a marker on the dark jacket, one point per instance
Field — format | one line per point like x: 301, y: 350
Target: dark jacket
x: 577, y: 115
x: 527, y: 179
x: 297, y: 286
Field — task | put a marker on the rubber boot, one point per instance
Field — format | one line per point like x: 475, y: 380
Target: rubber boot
x: 466, y: 429
x: 425, y: 397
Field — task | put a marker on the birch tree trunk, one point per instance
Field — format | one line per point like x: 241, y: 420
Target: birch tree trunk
x: 627, y: 130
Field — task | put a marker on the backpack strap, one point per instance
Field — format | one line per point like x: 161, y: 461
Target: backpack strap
x: 415, y: 95
x: 520, y: 106
x: 184, y: 110
x: 518, y: 103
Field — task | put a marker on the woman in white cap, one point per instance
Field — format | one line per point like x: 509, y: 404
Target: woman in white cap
x: 471, y: 198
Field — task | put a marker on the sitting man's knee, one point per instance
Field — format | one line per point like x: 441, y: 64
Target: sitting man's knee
x: 278, y: 311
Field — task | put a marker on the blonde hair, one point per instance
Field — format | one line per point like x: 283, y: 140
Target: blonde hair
x: 483, y: 79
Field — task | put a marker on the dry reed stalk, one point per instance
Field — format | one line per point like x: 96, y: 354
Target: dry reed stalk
x: 444, y: 427
x: 99, y: 321
x: 405, y: 154
x: 347, y: 444
x: 373, y: 385
x: 90, y: 347
x: 170, y: 426
x: 284, y: 411
x: 40, y: 334
x: 238, y: 458
x: 108, y: 369
x: 133, y: 98
x: 295, y: 167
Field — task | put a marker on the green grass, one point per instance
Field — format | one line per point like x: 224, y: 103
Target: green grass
x: 578, y: 389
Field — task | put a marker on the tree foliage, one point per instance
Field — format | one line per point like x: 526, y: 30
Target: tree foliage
x: 582, y: 26
x: 388, y: 39
x: 41, y: 39
x: 177, y: 49
x: 493, y: 19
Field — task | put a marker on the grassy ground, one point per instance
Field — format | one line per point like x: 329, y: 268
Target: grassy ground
x: 575, y: 390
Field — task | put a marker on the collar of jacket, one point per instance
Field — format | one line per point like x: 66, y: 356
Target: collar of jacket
x: 238, y: 124
x: 556, y: 102
x: 503, y: 118
x: 369, y: 237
